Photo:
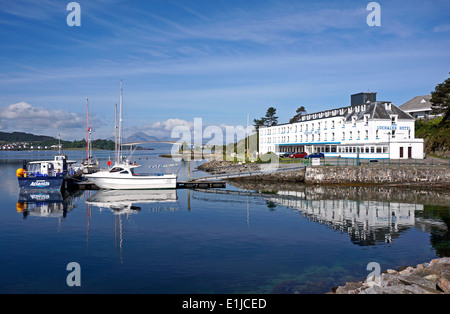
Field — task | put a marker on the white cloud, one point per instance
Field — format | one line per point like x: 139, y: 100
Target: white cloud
x: 442, y: 28
x: 28, y: 118
x: 195, y: 131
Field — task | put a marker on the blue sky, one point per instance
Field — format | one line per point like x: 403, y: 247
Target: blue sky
x: 212, y: 59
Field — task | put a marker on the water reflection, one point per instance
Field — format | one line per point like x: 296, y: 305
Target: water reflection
x: 122, y: 202
x: 369, y: 215
x: 45, y: 203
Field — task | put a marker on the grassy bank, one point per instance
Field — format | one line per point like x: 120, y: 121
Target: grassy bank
x: 436, y: 135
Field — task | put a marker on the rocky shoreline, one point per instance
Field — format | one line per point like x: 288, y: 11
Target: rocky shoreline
x: 426, y: 278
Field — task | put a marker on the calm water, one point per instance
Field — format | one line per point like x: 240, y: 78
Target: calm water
x: 288, y: 239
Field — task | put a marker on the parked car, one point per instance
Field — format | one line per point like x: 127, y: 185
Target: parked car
x: 298, y: 155
x: 285, y: 155
x: 316, y: 155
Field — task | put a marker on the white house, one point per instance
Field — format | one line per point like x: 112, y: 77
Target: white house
x: 419, y: 107
x: 372, y: 130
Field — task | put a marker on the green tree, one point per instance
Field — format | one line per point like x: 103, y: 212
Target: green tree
x: 271, y: 118
x: 440, y: 99
x: 257, y: 123
x: 298, y: 116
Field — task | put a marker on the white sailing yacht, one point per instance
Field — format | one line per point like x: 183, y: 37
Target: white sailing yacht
x: 89, y: 165
x: 123, y: 176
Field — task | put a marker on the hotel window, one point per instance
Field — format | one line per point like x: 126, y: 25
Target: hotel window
x: 394, y: 119
x: 343, y: 136
x: 372, y: 149
x: 312, y: 126
x: 301, y: 138
x: 306, y: 127
x: 367, y: 134
x: 378, y: 150
x: 376, y: 133
x: 354, y: 121
x: 332, y: 124
x: 359, y: 134
x: 393, y: 133
x: 409, y: 134
x: 350, y: 135
x: 385, y: 149
x: 366, y: 120
x: 318, y: 125
x: 318, y: 137
x: 332, y: 136
x: 367, y: 149
x: 312, y: 137
x: 325, y: 137
x: 325, y: 125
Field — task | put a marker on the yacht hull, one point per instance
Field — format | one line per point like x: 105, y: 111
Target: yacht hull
x: 135, y: 182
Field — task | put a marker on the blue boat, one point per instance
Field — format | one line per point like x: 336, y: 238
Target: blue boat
x: 47, y: 174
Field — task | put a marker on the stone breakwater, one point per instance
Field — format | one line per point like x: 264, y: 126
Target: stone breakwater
x: 388, y: 175
x: 426, y: 278
x: 378, y: 175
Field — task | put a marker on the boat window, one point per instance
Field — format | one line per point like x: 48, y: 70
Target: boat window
x: 124, y: 172
x: 116, y: 169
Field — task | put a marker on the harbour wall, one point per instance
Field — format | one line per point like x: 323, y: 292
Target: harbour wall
x: 378, y: 175
x: 360, y: 175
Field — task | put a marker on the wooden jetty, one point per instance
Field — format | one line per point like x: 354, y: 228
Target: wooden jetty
x: 201, y: 184
x: 87, y: 185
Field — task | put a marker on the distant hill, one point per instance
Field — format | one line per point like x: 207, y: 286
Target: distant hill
x: 16, y: 140
x: 140, y: 137
x: 24, y: 137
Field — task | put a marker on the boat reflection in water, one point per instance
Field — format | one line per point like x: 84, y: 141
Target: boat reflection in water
x: 122, y: 201
x: 45, y: 203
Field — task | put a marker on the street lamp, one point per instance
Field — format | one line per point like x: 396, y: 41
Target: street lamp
x: 389, y: 146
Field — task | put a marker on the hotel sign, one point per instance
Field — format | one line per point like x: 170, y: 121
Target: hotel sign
x: 393, y: 127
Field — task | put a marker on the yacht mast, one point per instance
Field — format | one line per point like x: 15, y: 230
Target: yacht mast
x: 115, y: 137
x: 87, y: 130
x: 120, y: 124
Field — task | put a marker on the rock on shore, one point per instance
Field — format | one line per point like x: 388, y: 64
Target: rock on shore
x: 427, y: 278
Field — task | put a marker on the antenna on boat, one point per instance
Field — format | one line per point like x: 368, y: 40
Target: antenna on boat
x: 59, y: 144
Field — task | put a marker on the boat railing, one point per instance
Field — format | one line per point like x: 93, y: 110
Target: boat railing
x: 149, y: 174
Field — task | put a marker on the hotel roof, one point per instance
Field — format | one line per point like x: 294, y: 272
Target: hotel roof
x: 375, y: 110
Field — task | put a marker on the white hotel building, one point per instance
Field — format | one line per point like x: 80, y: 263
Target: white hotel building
x: 367, y: 129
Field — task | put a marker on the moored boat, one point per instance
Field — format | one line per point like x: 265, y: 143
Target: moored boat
x: 46, y: 174
x: 121, y: 176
